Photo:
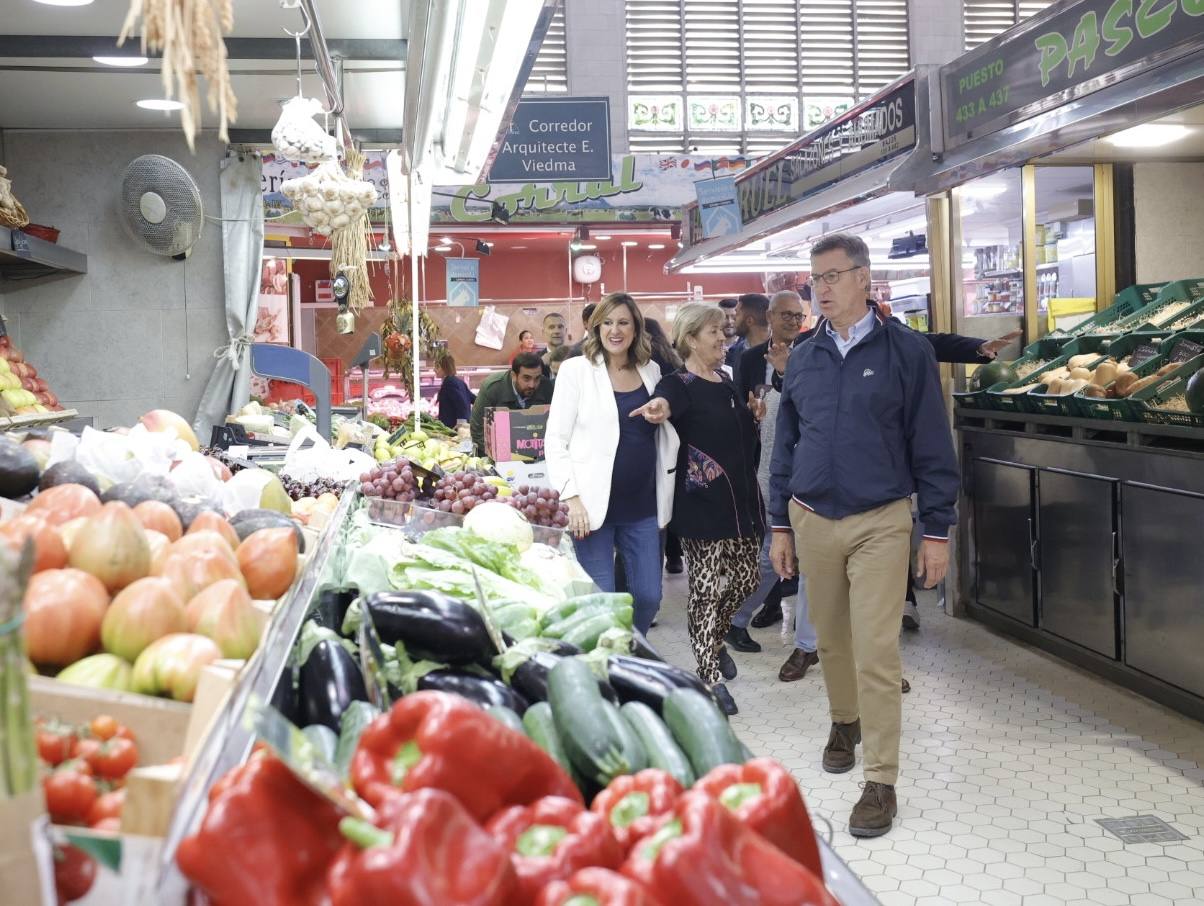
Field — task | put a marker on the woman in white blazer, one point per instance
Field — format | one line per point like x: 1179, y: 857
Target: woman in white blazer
x: 614, y: 472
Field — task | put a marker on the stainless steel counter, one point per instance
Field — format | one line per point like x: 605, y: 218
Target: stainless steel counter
x: 1082, y: 537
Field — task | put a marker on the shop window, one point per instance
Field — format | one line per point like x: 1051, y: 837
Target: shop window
x: 992, y: 229
x: 753, y: 74
x: 1065, y: 245
x: 984, y: 19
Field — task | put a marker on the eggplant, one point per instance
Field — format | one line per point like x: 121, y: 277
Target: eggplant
x: 330, y: 682
x: 332, y: 607
x: 284, y: 697
x: 636, y: 679
x: 641, y: 647
x: 432, y: 627
x: 481, y: 690
x: 530, y: 679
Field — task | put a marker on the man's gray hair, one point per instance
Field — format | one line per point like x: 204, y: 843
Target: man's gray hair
x: 785, y: 294
x: 853, y: 246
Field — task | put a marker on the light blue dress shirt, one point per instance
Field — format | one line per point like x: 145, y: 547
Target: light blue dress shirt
x: 857, y: 333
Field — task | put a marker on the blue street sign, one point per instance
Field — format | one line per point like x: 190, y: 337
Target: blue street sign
x: 463, y: 282
x: 556, y: 140
x: 719, y: 206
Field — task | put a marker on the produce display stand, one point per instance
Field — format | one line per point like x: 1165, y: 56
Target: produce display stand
x: 230, y: 737
x: 40, y: 420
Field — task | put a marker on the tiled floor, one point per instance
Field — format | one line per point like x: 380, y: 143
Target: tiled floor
x: 1008, y: 758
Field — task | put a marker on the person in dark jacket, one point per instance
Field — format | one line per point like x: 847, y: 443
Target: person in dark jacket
x: 454, y: 398
x: 522, y: 386
x: 861, y: 427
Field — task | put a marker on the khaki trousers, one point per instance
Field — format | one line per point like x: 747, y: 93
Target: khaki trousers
x: 852, y: 567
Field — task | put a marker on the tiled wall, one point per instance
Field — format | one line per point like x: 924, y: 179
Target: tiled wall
x: 1166, y: 194
x: 119, y: 340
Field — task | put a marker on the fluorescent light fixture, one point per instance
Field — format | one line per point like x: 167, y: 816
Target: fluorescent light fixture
x: 63, y: 2
x: 461, y: 73
x: 124, y: 62
x: 983, y: 190
x: 582, y: 246
x: 405, y: 236
x: 602, y: 237
x: 159, y: 104
x: 445, y: 239
x: 443, y: 248
x: 1148, y: 135
x: 629, y: 243
x: 656, y: 245
x: 519, y: 248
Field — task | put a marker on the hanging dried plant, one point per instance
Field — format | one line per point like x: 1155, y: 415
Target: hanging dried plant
x: 12, y: 212
x: 188, y: 34
x: 349, y: 245
x: 396, y: 337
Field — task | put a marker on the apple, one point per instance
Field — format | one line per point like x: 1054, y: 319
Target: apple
x: 164, y: 420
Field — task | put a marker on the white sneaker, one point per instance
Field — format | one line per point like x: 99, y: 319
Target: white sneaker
x: 911, y: 616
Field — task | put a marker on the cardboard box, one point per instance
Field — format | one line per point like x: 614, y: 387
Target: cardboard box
x: 515, y: 434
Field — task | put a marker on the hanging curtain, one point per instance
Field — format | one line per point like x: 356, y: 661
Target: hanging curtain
x: 229, y: 386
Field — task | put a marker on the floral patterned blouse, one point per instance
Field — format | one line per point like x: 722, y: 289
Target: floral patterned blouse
x: 716, y: 495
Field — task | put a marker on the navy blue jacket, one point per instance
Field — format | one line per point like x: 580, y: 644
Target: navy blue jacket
x: 455, y: 400
x: 858, y: 433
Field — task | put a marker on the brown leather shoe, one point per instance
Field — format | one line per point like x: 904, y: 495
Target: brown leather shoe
x: 873, y: 814
x: 839, y: 754
x: 797, y: 664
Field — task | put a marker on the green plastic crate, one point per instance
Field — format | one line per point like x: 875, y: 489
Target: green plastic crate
x: 1157, y: 316
x: 1045, y: 348
x: 1152, y: 398
x: 1191, y: 319
x: 1127, y: 302
x: 1064, y: 403
x: 1024, y: 402
x: 1121, y: 409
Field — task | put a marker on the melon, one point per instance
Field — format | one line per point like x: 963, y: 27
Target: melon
x: 1195, y: 392
x: 993, y: 373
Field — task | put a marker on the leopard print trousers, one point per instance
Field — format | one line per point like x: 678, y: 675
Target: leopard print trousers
x: 713, y: 603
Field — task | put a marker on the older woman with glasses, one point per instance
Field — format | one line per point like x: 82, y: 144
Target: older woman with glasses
x: 717, y: 506
x: 614, y: 473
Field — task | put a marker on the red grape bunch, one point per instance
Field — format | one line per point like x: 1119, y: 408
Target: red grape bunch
x: 541, y: 506
x: 391, y: 480
x: 459, y: 492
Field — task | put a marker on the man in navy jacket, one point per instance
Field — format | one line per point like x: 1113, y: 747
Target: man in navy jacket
x: 861, y: 427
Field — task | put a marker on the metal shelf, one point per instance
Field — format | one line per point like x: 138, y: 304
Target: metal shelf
x: 32, y: 259
x: 41, y: 420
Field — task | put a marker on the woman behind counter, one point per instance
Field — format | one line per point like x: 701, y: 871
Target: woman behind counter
x: 717, y: 508
x: 454, y: 398
x: 613, y: 472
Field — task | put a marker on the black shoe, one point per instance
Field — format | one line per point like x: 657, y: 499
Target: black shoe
x: 739, y: 639
x: 674, y: 566
x: 726, y: 665
x: 725, y: 700
x: 767, y: 616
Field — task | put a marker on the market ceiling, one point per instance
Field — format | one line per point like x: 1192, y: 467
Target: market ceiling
x: 52, y: 82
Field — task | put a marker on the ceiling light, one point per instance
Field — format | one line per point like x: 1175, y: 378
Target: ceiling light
x: 601, y: 237
x: 445, y: 240
x: 122, y: 61
x: 656, y: 245
x: 443, y: 248
x: 159, y: 104
x: 1148, y: 135
x: 583, y: 246
x: 519, y: 248
x: 630, y: 244
x: 64, y: 2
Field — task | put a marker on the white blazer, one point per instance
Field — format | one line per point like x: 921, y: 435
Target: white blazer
x: 583, y: 435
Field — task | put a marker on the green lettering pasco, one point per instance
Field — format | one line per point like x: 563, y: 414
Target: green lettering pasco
x: 544, y: 196
x: 1119, y: 36
x: 1151, y: 21
x: 1086, y: 43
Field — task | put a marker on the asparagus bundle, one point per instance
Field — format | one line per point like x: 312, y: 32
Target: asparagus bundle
x: 18, y: 755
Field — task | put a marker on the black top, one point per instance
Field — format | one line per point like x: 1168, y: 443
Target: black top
x: 633, y: 481
x: 716, y: 493
x: 455, y: 400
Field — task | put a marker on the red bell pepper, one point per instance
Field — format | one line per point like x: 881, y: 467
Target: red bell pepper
x: 550, y: 839
x: 595, y: 887
x: 428, y: 852
x: 266, y: 839
x: 633, y: 804
x: 434, y: 739
x: 763, y: 795
x: 702, y: 854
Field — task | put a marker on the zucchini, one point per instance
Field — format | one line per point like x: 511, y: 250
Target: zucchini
x: 591, y: 742
x: 604, y: 600
x: 633, y: 749
x: 701, y: 730
x: 658, y: 742
x: 506, y: 716
x: 325, y: 740
x: 562, y: 628
x: 585, y: 635
x: 541, y: 727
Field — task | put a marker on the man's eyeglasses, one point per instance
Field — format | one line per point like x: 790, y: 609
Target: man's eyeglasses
x: 796, y: 316
x: 832, y: 277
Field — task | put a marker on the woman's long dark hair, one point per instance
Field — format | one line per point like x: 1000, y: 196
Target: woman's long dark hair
x: 663, y: 352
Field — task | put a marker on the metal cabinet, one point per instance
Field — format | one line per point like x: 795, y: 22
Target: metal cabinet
x: 1004, y: 538
x: 1163, y: 583
x: 1078, y: 550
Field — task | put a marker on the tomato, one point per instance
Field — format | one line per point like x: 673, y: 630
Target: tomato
x: 74, y: 873
x: 115, y: 758
x: 103, y: 726
x: 125, y: 732
x: 86, y: 749
x: 107, y: 825
x: 55, y: 743
x: 105, y: 807
x: 70, y: 794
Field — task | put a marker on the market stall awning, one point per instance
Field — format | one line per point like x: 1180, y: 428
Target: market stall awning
x: 876, y: 148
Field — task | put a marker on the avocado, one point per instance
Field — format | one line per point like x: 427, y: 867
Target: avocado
x: 18, y: 470
x: 247, y: 522
x: 68, y: 472
x: 141, y: 489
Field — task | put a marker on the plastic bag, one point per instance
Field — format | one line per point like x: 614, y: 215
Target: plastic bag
x: 297, y: 137
x: 491, y: 332
x: 117, y: 458
x: 322, y: 460
x: 193, y: 477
